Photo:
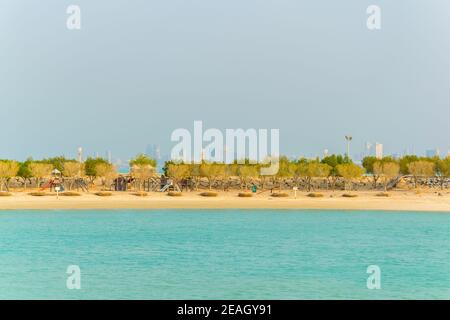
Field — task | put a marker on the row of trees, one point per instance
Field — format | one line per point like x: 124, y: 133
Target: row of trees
x: 302, y: 172
x: 418, y: 167
x: 70, y: 169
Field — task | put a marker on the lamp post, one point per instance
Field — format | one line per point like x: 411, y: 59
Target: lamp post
x: 349, y: 139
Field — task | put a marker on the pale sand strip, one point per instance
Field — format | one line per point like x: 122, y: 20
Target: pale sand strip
x: 399, y: 201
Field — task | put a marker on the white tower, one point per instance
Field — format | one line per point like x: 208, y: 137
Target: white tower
x: 379, y: 150
x: 349, y: 139
x: 80, y: 154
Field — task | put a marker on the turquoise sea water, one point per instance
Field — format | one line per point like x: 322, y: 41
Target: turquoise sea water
x: 224, y: 254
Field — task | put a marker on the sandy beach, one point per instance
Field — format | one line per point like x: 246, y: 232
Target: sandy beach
x: 397, y: 201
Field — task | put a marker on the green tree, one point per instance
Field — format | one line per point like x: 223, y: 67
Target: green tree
x: 297, y: 170
x: 57, y: 162
x: 308, y: 170
x: 177, y: 171
x: 166, y: 166
x: 143, y: 160
x: 283, y: 171
x: 405, y: 161
x: 142, y: 168
x: 387, y: 170
x: 72, y: 170
x: 24, y: 171
x: 90, y: 167
x: 39, y: 171
x: 212, y: 172
x: 8, y: 170
x: 229, y: 171
x: 195, y: 174
x: 247, y: 172
x: 333, y: 161
x: 105, y: 171
x: 349, y: 171
x: 421, y: 169
x: 443, y: 170
x: 368, y: 165
x: 141, y: 173
x: 316, y: 169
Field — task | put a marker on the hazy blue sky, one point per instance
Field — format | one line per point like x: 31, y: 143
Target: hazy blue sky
x: 139, y: 69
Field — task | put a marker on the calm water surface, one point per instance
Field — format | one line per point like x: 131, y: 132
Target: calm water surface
x: 224, y: 254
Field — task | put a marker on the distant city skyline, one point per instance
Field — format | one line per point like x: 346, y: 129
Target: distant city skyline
x: 154, y: 151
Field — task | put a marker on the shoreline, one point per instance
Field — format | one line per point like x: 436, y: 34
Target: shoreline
x: 397, y: 201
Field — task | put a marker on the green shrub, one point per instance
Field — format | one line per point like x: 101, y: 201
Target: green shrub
x: 209, y: 194
x: 382, y: 194
x: 349, y: 195
x: 174, y: 194
x: 103, y: 194
x: 70, y: 194
x: 245, y: 195
x: 315, y: 195
x: 39, y: 194
x: 140, y: 194
x: 280, y: 195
